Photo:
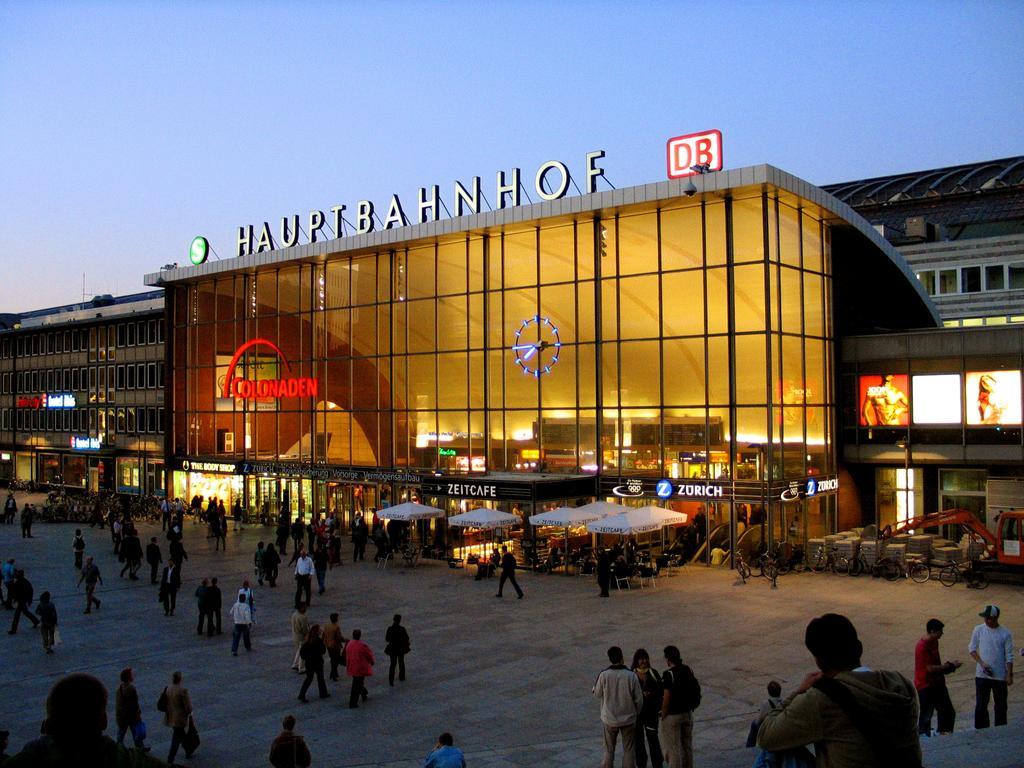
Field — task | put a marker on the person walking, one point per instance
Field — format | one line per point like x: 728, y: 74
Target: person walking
x: 165, y: 514
x: 258, y: 562
x: 7, y: 573
x: 27, y: 516
x: 320, y: 567
x: 508, y: 573
x: 360, y: 535
x: 680, y: 698
x: 312, y: 653
x: 10, y: 508
x: 289, y: 750
x: 852, y: 714
x: 47, y: 621
x: 300, y: 630
x: 271, y: 560
x: 203, y: 606
x: 78, y: 547
x: 334, y: 641
x: 170, y: 583
x: 991, y: 646
x: 241, y: 615
x: 154, y: 558
x: 303, y: 577
x: 131, y: 550
x: 215, y: 527
x: 397, y: 640
x: 23, y: 594
x: 281, y: 535
x: 91, y: 577
x: 445, y: 754
x: 646, y: 736
x: 604, y: 572
x: 622, y: 698
x: 214, y: 602
x: 128, y: 711
x: 298, y: 532
x: 359, y: 666
x: 930, y: 681
x: 177, y: 710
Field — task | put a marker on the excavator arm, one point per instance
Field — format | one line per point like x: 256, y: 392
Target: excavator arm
x: 961, y: 517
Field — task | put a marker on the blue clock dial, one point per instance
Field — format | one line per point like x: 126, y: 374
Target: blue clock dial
x: 536, y: 345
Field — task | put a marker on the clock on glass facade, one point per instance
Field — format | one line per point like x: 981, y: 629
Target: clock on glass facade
x: 536, y: 346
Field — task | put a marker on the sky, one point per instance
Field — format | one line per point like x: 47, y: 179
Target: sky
x: 126, y: 129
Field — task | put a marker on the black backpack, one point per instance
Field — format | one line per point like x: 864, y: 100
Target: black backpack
x: 685, y: 681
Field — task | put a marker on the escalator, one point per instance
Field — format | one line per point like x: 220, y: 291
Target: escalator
x: 719, y: 537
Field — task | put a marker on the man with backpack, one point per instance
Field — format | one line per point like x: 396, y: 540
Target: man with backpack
x: 680, y: 698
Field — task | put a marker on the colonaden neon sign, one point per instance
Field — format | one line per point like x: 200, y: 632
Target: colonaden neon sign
x: 252, y: 389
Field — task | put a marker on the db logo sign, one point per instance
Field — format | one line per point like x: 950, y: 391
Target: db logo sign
x: 694, y: 149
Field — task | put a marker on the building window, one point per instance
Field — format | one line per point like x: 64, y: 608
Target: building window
x: 947, y: 281
x: 151, y: 377
x: 120, y: 378
x: 962, y: 489
x: 121, y: 338
x: 995, y: 277
x: 970, y: 279
x: 927, y: 279
x: 1016, y: 279
x: 131, y: 333
x: 129, y: 379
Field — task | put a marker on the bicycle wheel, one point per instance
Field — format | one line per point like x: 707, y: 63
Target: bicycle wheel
x: 782, y: 567
x: 977, y: 580
x: 842, y: 565
x: 744, y: 570
x: 949, y: 576
x: 819, y: 563
x: 771, y: 572
x: 891, y: 570
x: 920, y: 573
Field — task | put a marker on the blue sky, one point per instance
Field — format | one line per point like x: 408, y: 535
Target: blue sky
x: 128, y: 128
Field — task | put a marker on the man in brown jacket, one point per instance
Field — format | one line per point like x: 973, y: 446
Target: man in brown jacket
x: 179, y: 707
x: 853, y: 715
x: 289, y: 750
x: 335, y: 642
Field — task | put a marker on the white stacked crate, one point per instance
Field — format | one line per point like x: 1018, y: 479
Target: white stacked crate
x: 847, y: 547
x: 944, y: 555
x: 870, y: 549
x: 972, y: 547
x: 919, y: 547
x: 897, y: 552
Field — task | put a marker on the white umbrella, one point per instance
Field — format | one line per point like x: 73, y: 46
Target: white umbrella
x: 639, y: 520
x: 564, y: 517
x: 484, y: 518
x: 602, y: 508
x: 408, y: 511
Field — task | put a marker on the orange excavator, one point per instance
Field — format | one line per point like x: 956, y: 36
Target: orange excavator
x: 1004, y: 548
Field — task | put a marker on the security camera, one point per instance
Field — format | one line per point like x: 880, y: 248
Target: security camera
x: 691, y: 189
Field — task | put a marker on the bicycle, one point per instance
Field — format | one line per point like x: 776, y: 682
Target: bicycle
x: 827, y: 561
x: 742, y: 568
x: 891, y: 570
x: 969, y: 572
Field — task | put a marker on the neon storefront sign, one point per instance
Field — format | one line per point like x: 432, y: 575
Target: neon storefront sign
x: 56, y: 401
x: 242, y: 388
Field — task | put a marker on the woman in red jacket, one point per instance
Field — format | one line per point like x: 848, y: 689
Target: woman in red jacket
x: 359, y: 666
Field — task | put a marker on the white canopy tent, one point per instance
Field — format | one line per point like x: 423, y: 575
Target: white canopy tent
x: 484, y: 518
x: 637, y: 520
x: 409, y: 512
x: 566, y: 517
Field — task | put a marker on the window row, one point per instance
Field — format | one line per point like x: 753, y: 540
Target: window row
x: 973, y: 279
x: 129, y: 421
x: 92, y: 379
x: 123, y: 334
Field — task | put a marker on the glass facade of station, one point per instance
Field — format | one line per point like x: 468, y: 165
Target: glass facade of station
x: 688, y: 339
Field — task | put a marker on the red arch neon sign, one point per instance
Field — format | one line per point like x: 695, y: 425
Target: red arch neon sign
x: 251, y: 389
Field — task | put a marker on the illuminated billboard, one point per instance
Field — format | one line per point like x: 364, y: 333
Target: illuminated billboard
x: 936, y: 399
x: 993, y: 397
x: 884, y: 401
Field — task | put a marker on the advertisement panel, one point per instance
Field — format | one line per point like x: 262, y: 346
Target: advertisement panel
x: 993, y: 397
x: 884, y: 401
x: 936, y: 399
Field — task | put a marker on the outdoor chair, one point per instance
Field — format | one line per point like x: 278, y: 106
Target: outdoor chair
x: 621, y: 576
x: 383, y: 562
x: 645, y: 573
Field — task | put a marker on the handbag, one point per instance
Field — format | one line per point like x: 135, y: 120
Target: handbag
x: 752, y: 734
x: 161, y: 703
x: 191, y: 740
x: 139, y: 730
x: 56, y: 636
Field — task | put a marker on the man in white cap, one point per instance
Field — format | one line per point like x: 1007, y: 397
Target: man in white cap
x: 991, y: 647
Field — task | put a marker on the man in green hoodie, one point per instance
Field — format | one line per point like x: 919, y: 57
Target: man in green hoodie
x: 854, y: 716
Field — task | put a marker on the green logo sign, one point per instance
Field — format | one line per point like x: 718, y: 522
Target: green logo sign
x: 199, y: 250
x: 445, y: 451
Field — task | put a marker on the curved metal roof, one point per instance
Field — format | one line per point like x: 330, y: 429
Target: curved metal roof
x: 956, y: 179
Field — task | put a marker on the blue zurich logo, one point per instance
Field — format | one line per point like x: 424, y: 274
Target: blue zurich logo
x: 663, y: 489
x: 812, y: 486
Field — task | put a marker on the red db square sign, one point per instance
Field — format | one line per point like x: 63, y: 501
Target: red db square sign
x: 684, y: 152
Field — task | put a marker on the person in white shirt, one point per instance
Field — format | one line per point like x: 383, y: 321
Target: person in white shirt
x: 622, y: 697
x: 241, y: 614
x: 303, y: 579
x: 991, y: 647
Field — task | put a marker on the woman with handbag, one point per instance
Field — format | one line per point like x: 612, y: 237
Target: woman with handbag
x: 312, y: 653
x: 127, y: 711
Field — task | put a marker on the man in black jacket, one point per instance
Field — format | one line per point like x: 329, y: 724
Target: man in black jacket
x: 154, y: 558
x: 22, y: 594
x: 508, y: 573
x: 397, y: 640
x: 213, y: 606
x: 170, y: 583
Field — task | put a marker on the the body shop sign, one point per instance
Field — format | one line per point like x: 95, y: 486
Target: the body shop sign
x: 242, y: 388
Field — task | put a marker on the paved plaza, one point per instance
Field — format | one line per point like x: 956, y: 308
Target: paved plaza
x: 511, y: 679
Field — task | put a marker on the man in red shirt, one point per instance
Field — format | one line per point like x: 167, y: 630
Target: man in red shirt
x: 930, y: 681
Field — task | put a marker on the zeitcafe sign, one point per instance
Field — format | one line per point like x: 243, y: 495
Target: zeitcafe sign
x: 551, y: 182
